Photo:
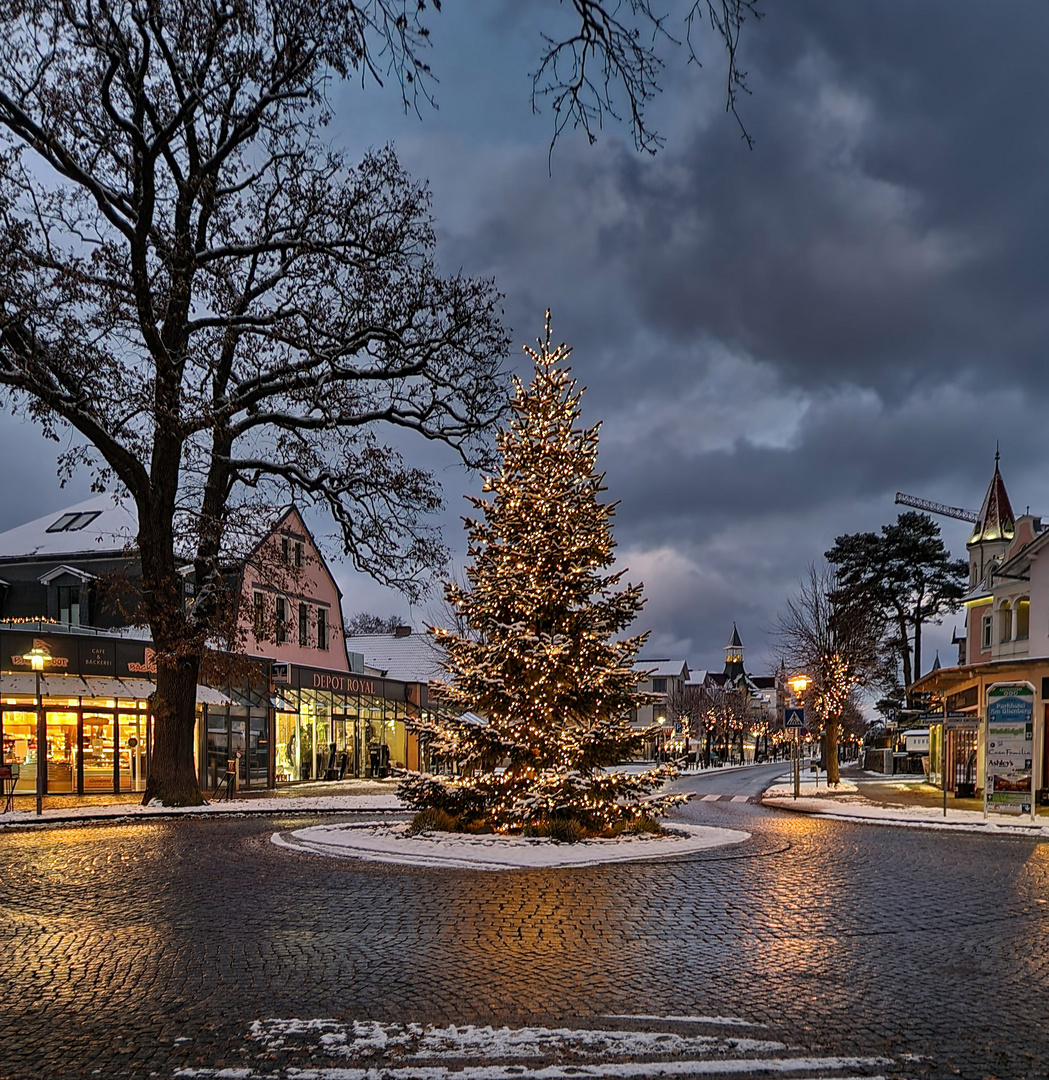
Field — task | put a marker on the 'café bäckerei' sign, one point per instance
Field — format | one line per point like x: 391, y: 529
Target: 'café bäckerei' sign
x: 1010, y: 748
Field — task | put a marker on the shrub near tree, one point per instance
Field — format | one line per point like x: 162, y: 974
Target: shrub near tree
x: 542, y: 665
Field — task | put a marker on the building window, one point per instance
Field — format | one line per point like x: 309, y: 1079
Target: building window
x: 1005, y: 622
x: 298, y: 555
x: 988, y: 624
x: 284, y: 550
x: 259, y: 615
x: 281, y: 628
x: 322, y: 628
x: 69, y: 604
x: 304, y: 626
x: 73, y: 522
x: 1023, y: 620
x: 659, y: 686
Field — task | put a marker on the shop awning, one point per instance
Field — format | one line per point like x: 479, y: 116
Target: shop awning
x: 23, y: 684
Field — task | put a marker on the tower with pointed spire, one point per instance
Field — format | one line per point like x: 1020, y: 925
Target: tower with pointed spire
x: 993, y: 532
x: 734, y: 671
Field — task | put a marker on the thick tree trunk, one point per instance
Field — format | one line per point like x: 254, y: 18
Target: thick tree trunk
x: 172, y: 778
x: 830, y: 751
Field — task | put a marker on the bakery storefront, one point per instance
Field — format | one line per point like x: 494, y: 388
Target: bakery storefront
x: 335, y: 725
x: 82, y: 718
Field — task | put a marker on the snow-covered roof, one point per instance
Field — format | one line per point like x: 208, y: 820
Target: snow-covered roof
x: 96, y: 526
x: 662, y: 668
x: 410, y: 658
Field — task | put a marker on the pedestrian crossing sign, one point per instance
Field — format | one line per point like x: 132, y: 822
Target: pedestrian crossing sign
x: 794, y: 718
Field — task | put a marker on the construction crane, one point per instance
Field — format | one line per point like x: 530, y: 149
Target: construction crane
x: 937, y: 508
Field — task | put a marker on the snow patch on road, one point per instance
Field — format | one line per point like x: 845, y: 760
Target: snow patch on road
x: 370, y: 1050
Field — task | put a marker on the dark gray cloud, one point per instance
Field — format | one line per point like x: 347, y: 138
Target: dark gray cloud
x: 776, y: 339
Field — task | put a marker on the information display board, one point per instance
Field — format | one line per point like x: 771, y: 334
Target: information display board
x: 1009, y: 749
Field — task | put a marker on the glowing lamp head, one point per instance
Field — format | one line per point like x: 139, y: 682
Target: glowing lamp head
x: 799, y: 684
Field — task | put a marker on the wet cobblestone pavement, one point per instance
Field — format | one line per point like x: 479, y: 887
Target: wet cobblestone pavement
x: 146, y: 949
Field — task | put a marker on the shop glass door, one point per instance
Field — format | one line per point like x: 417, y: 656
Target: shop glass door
x: 132, y: 752
x: 238, y: 749
x: 62, y: 752
x: 217, y: 748
x: 98, y: 751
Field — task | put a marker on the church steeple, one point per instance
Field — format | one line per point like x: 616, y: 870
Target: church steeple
x: 997, y: 521
x: 734, y: 657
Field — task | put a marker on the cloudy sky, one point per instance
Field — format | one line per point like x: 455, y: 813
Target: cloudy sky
x: 777, y: 339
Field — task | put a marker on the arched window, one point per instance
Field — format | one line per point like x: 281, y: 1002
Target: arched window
x: 1023, y: 619
x: 1005, y: 622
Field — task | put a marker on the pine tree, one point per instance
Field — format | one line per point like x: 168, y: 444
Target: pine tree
x: 542, y: 664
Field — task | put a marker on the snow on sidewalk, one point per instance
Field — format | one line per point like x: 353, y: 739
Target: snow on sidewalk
x: 392, y: 844
x: 845, y: 803
x: 309, y: 804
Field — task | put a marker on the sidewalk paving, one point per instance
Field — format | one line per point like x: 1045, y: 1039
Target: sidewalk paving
x: 341, y: 797
x: 896, y: 800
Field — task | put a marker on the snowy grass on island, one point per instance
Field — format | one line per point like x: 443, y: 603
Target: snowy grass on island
x: 275, y: 805
x: 846, y: 804
x: 394, y: 844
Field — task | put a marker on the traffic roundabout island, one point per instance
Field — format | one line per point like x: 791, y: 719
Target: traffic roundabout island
x: 395, y: 844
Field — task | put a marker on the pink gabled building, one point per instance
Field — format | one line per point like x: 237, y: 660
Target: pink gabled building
x: 290, y: 606
x: 302, y: 708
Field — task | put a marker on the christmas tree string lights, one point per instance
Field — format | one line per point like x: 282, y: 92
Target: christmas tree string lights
x: 541, y: 662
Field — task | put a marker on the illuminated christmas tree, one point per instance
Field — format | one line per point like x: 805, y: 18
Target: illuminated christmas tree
x: 551, y: 688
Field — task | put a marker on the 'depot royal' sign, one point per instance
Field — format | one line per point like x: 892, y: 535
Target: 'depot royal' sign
x: 1010, y: 749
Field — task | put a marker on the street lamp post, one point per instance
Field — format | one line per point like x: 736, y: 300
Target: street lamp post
x: 798, y: 685
x: 38, y: 657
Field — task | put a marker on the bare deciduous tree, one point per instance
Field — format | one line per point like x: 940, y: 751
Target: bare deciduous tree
x: 224, y: 310
x: 837, y: 646
x: 613, y: 55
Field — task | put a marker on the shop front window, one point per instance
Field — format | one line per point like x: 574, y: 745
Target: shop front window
x: 258, y: 751
x: 20, y: 742
x: 287, y: 748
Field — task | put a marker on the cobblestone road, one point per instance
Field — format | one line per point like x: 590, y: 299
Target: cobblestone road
x: 141, y: 950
